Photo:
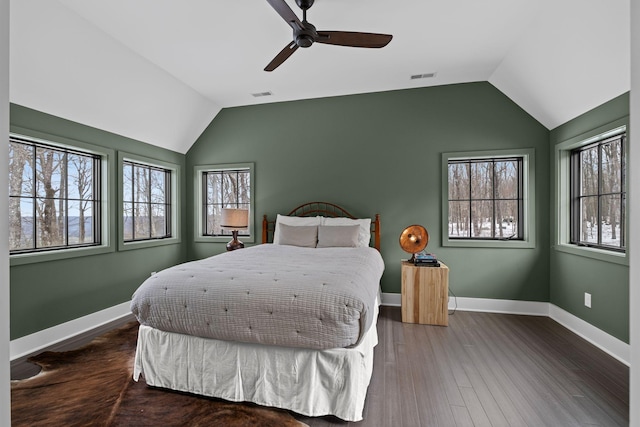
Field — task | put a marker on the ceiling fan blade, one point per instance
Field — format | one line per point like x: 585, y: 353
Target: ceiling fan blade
x: 354, y: 39
x: 287, y: 14
x: 282, y: 56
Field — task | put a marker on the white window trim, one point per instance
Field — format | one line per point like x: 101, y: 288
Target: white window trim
x: 198, y: 211
x: 175, y: 202
x: 528, y: 185
x: 561, y: 231
x: 107, y: 196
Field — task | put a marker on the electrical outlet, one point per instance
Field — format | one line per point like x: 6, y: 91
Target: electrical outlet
x: 587, y: 299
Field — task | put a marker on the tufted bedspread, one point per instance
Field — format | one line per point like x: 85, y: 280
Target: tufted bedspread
x: 267, y: 294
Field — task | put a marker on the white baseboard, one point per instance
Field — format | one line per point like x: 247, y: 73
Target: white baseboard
x: 46, y: 338
x: 609, y: 344
x: 531, y: 308
x: 394, y: 300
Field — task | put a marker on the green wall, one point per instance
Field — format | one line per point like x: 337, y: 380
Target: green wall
x: 573, y: 275
x: 49, y: 293
x: 381, y: 153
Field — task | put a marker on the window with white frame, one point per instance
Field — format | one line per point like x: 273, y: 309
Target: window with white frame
x: 218, y: 187
x: 146, y: 202
x: 55, y: 197
x: 597, y: 193
x: 486, y: 198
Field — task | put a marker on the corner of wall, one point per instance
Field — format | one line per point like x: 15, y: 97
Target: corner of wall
x: 5, y: 393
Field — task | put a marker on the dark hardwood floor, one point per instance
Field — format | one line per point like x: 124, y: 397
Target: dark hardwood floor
x: 489, y: 370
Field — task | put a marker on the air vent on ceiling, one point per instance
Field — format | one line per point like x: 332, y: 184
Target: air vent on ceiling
x: 423, y: 76
x: 261, y: 94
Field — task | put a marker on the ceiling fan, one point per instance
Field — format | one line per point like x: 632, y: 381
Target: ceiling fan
x: 305, y: 33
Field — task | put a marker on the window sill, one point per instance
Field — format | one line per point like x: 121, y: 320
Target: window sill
x: 498, y: 244
x: 32, y: 258
x: 223, y: 239
x: 126, y: 246
x: 599, y: 254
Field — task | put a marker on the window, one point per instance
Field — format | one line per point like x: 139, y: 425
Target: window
x: 597, y: 194
x: 55, y: 197
x: 590, y: 217
x: 222, y: 186
x: 486, y: 199
x: 146, y: 202
x: 224, y: 189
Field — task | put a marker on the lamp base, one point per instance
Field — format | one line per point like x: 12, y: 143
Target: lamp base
x: 234, y: 243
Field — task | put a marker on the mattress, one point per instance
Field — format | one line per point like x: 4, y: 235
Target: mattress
x: 267, y: 294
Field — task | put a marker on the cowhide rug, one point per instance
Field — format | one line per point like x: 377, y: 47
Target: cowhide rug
x: 93, y: 386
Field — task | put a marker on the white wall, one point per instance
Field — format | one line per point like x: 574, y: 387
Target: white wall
x: 5, y: 393
x: 634, y: 209
x: 97, y: 72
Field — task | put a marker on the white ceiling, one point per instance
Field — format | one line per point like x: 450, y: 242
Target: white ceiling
x: 160, y: 70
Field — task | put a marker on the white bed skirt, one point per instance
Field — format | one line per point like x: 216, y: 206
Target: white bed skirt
x: 309, y: 382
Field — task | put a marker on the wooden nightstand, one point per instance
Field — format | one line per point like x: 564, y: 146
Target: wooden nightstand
x: 425, y: 292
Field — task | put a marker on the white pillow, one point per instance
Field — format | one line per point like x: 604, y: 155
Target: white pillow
x: 364, y: 234
x: 338, y: 236
x: 294, y: 221
x: 305, y: 236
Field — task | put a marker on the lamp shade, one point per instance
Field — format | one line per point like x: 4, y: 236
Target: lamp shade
x: 234, y: 218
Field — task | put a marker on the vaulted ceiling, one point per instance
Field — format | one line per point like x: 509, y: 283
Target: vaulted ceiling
x: 160, y: 70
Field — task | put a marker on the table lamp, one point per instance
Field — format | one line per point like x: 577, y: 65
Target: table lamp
x: 235, y: 219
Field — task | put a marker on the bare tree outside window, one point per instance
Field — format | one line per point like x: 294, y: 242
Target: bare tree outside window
x: 53, y: 197
x: 21, y: 223
x: 485, y: 198
x: 80, y: 173
x: 224, y: 189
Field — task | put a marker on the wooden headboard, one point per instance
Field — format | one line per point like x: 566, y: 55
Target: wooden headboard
x: 320, y: 209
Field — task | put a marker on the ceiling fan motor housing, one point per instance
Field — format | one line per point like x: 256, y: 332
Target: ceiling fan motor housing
x: 304, y: 40
x: 304, y: 37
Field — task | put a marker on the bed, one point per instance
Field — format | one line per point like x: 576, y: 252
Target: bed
x: 290, y: 323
